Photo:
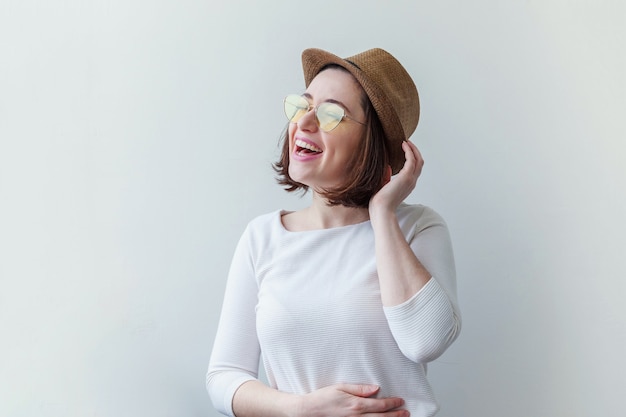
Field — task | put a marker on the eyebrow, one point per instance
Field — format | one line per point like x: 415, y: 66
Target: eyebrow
x: 330, y: 100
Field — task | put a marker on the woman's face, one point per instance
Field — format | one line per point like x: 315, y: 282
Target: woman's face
x: 322, y: 159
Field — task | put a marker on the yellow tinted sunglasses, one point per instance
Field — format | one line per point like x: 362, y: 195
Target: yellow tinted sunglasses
x: 328, y: 115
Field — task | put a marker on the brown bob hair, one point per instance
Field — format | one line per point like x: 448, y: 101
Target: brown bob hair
x: 366, y: 169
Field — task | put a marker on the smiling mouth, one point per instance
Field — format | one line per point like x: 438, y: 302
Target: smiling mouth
x: 306, y: 148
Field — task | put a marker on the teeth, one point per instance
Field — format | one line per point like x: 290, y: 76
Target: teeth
x: 306, y: 145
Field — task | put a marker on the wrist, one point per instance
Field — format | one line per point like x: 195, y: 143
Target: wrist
x: 379, y: 214
x: 297, y: 406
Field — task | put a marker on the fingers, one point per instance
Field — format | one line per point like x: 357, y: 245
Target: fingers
x: 365, y: 405
x: 377, y: 406
x: 414, y: 161
x: 395, y: 190
x: 360, y: 390
x: 398, y: 413
x: 394, y: 413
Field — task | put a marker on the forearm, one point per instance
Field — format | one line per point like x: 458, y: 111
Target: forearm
x: 255, y: 399
x: 400, y: 272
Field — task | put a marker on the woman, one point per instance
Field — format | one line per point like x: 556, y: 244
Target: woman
x: 349, y: 298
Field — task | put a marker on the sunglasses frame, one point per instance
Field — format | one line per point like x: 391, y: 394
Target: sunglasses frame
x: 310, y: 107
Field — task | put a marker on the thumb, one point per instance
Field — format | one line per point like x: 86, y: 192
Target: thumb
x: 360, y: 390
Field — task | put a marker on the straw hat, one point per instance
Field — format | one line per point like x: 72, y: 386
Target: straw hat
x: 388, y: 86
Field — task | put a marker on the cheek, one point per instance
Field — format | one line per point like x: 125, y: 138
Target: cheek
x: 350, y: 145
x: 292, y: 132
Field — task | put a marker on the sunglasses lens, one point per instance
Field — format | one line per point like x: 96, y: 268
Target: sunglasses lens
x: 329, y: 115
x: 295, y: 107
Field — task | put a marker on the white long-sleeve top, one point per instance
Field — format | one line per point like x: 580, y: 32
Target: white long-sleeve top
x: 310, y: 303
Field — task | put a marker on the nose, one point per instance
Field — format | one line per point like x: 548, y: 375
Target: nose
x: 308, y: 122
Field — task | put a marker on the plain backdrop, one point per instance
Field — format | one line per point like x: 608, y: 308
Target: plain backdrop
x: 136, y: 141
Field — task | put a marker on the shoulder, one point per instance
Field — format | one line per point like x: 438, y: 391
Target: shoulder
x: 264, y: 223
x: 259, y: 232
x: 414, y: 218
x: 265, y: 220
x: 418, y: 213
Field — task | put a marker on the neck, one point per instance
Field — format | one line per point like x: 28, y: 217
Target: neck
x: 326, y: 216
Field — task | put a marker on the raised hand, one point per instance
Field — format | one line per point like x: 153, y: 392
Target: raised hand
x: 398, y: 188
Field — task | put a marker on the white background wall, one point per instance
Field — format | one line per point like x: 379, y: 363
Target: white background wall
x: 135, y: 144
